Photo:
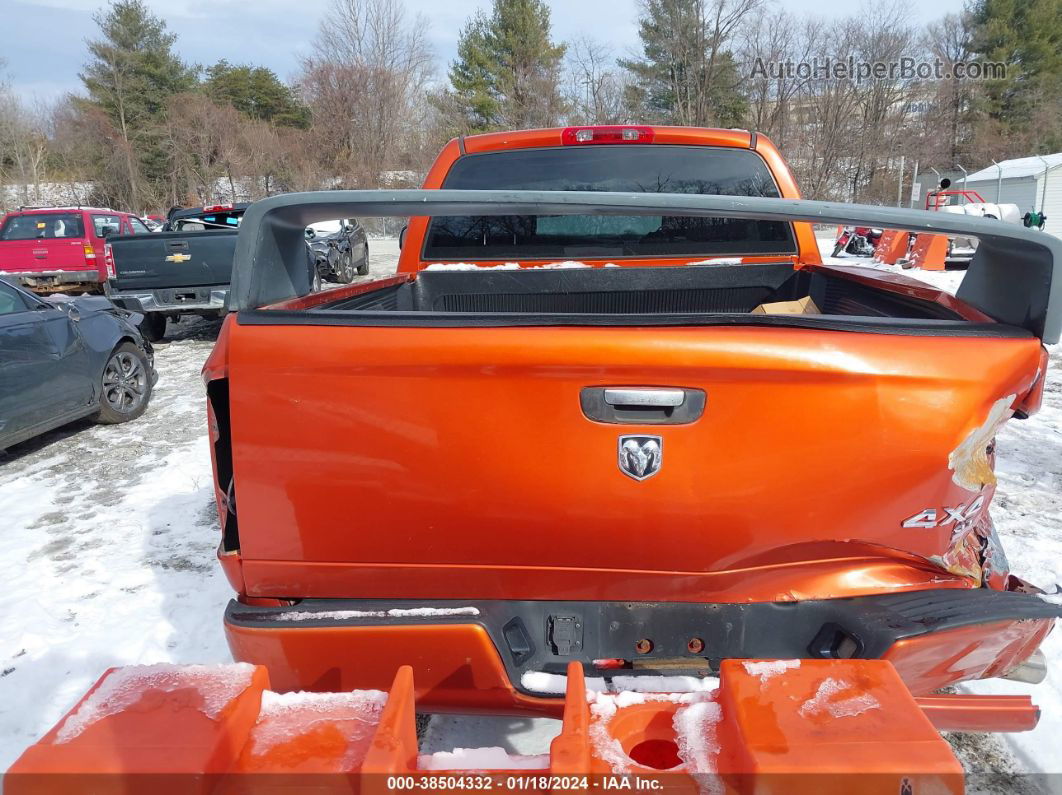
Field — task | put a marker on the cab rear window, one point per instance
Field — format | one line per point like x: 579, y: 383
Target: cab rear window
x: 42, y: 226
x: 217, y: 220
x: 626, y: 168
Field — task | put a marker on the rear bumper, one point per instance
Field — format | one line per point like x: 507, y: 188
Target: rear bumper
x: 178, y: 299
x: 37, y: 280
x: 475, y: 655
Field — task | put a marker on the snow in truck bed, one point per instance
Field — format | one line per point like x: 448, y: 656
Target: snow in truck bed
x: 108, y: 548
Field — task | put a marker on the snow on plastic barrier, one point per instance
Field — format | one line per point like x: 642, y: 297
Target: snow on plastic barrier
x: 217, y: 684
x: 226, y: 721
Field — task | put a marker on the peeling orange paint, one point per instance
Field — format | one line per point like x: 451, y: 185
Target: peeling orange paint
x: 969, y: 462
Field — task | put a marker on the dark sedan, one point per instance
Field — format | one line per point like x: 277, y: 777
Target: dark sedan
x: 340, y: 248
x: 62, y: 359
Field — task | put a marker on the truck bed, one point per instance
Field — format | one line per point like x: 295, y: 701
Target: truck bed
x: 707, y: 289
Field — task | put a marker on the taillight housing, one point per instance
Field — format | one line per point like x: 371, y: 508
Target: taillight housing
x: 607, y: 134
x: 108, y: 261
x: 90, y: 252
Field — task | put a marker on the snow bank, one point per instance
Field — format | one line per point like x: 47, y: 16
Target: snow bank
x: 216, y: 684
x: 664, y: 684
x: 542, y: 682
x: 493, y: 758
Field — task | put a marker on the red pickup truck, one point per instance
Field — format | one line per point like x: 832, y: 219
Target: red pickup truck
x: 613, y: 410
x: 57, y: 249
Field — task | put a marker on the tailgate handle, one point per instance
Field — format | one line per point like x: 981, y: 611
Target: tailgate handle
x: 177, y: 245
x: 642, y: 405
x: 645, y: 397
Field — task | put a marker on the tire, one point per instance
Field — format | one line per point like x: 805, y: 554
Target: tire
x: 125, y: 385
x: 345, y: 271
x: 837, y: 250
x: 153, y: 326
x: 363, y: 266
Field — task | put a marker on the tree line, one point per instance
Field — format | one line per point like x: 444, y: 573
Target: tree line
x: 369, y: 108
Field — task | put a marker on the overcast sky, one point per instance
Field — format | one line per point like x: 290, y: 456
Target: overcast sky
x: 43, y: 41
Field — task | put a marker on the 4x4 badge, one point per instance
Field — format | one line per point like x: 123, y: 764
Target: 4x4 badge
x: 640, y: 457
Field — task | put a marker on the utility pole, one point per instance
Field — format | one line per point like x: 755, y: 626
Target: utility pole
x: 1047, y: 170
x: 899, y: 188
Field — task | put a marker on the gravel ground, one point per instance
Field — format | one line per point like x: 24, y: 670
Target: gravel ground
x: 110, y: 532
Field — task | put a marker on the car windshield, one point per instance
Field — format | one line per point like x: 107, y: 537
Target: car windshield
x: 42, y: 226
x: 625, y: 168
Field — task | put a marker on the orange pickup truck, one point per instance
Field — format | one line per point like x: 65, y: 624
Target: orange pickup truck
x: 612, y: 409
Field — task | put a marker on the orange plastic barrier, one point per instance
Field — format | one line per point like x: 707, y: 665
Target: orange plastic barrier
x: 808, y: 726
x: 891, y: 246
x: 929, y: 252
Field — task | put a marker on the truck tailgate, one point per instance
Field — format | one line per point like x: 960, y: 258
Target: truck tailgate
x: 173, y: 259
x: 449, y: 462
x: 43, y: 255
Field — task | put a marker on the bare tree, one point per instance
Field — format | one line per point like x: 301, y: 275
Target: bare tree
x: 24, y: 147
x: 767, y: 42
x: 202, y: 139
x: 597, y: 87
x: 364, y: 83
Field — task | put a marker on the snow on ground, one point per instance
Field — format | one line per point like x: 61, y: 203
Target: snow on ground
x: 108, y: 541
x: 109, y: 535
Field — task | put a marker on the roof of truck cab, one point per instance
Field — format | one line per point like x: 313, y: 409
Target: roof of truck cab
x: 552, y: 136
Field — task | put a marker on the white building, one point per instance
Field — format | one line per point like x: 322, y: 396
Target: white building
x: 1032, y: 183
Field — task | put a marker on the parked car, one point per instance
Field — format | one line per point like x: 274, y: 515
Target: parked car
x: 184, y: 269
x: 64, y: 358
x: 60, y: 249
x: 341, y: 250
x: 613, y: 410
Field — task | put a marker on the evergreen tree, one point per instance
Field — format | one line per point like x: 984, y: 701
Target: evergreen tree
x: 132, y: 73
x: 1026, y: 35
x: 257, y: 93
x: 686, y: 74
x: 507, y: 72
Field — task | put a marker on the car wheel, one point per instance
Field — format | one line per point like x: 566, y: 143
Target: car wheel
x: 126, y: 385
x: 153, y: 326
x: 345, y: 268
x: 363, y: 266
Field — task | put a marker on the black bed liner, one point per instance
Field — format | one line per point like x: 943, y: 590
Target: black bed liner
x: 691, y: 295
x: 638, y: 290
